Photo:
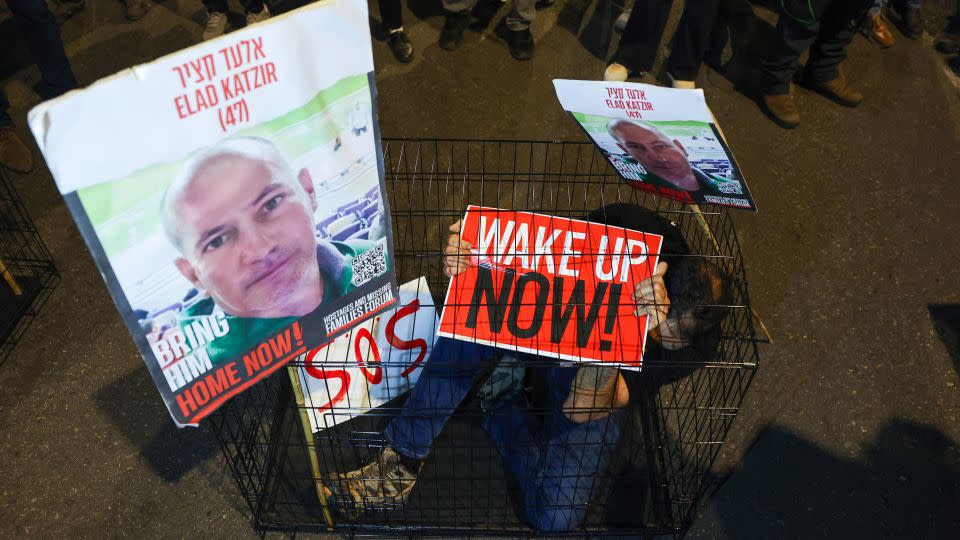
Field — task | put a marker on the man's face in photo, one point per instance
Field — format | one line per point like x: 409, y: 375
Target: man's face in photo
x: 658, y: 154
x: 247, y: 238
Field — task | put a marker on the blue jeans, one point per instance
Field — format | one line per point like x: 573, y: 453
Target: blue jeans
x: 557, y: 463
x: 878, y: 5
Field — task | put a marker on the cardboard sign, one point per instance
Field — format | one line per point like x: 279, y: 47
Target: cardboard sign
x: 551, y: 286
x: 378, y: 361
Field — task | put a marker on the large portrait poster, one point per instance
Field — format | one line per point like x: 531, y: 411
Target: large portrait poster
x: 661, y: 140
x: 232, y: 196
x: 552, y: 286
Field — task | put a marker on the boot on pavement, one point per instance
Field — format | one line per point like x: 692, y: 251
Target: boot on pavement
x: 782, y: 109
x: 837, y: 89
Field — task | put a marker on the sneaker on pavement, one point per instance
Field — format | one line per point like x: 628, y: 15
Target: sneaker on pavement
x: 386, y: 481
x: 616, y: 72
x: 215, y: 26
x: 453, y: 27
x: 683, y: 85
x: 837, y: 89
x: 782, y: 109
x: 875, y: 28
x: 401, y: 46
x: 14, y: 155
x: 254, y: 18
x: 136, y: 9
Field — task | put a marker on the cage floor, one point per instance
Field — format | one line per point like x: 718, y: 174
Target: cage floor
x: 463, y: 486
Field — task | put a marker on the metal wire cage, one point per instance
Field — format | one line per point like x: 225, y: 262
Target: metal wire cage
x: 27, y: 270
x: 634, y: 460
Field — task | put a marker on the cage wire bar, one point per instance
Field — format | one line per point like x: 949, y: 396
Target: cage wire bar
x: 651, y: 477
x: 26, y: 268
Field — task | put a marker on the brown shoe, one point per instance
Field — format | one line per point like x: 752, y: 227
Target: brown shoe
x: 876, y: 29
x: 782, y: 109
x: 837, y: 89
x: 14, y: 155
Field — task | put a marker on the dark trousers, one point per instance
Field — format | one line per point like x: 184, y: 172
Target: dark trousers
x: 693, y: 38
x: 36, y: 23
x: 5, y: 119
x: 220, y: 6
x: 826, y: 27
x: 641, y: 37
x: 391, y: 13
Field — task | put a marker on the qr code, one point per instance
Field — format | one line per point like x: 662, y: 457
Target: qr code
x: 730, y: 188
x: 369, y: 264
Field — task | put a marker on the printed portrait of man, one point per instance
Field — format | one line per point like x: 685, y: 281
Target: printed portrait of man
x: 242, y: 222
x: 664, y: 158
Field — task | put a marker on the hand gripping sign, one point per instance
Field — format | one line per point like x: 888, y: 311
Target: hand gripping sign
x: 551, y: 286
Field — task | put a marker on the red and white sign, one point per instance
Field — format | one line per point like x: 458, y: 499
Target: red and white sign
x: 552, y: 286
x: 378, y: 361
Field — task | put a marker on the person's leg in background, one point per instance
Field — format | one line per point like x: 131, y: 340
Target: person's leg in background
x: 875, y: 26
x: 38, y: 26
x: 797, y: 28
x: 909, y: 17
x: 640, y: 40
x: 391, y: 14
x: 444, y: 382
x: 516, y: 28
x: 557, y: 461
x: 690, y: 42
x: 457, y: 20
x: 14, y: 155
x: 822, y: 71
x: 216, y: 21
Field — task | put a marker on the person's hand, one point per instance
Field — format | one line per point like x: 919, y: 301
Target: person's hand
x: 456, y: 251
x: 652, y: 300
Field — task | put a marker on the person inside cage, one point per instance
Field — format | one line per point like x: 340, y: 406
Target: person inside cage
x: 665, y: 160
x: 557, y: 457
x: 243, y: 224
